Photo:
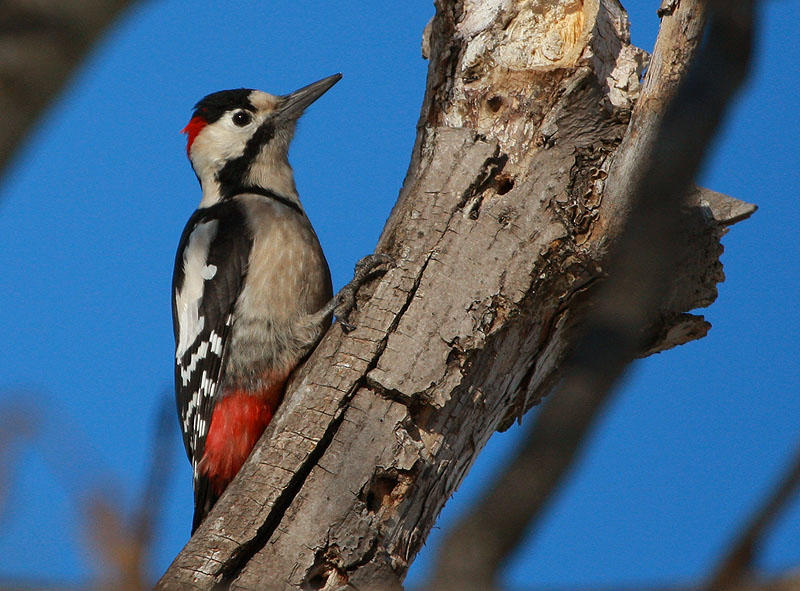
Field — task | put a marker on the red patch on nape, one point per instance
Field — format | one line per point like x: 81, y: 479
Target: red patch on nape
x: 237, y: 422
x: 195, y: 125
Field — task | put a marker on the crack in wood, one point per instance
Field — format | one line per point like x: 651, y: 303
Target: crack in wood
x: 233, y: 566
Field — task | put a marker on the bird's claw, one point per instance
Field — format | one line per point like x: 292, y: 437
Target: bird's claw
x: 365, y: 268
x: 369, y: 263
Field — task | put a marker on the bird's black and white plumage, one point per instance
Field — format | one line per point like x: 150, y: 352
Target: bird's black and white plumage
x: 209, y: 271
x: 250, y: 284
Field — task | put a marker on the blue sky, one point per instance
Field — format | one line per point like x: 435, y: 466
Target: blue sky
x: 93, y: 205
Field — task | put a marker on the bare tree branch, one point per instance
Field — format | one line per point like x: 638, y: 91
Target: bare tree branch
x: 41, y: 43
x: 786, y: 582
x: 124, y: 544
x: 503, y: 225
x: 152, y: 498
x: 735, y: 569
x: 18, y: 422
x: 473, y: 552
x: 475, y: 549
x: 645, y: 263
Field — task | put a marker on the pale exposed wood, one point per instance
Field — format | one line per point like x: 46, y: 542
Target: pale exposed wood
x: 497, y: 239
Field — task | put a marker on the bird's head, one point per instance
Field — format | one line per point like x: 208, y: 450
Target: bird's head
x: 240, y: 138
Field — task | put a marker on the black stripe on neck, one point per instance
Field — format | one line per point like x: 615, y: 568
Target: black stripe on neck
x: 235, y: 171
x: 241, y: 189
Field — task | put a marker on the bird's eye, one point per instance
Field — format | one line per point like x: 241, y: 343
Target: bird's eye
x: 242, y: 118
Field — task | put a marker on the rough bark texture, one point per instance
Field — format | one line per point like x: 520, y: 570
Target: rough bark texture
x: 648, y: 180
x: 502, y: 226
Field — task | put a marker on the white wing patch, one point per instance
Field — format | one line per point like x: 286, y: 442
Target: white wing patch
x: 195, y: 272
x: 208, y: 272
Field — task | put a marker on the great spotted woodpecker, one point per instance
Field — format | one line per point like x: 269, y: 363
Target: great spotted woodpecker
x: 251, y: 288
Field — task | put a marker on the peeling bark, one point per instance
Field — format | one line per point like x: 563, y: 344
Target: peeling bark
x: 502, y: 227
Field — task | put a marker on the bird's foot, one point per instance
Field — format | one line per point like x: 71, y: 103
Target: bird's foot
x: 345, y: 301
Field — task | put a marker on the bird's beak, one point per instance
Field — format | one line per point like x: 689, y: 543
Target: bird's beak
x: 295, y: 103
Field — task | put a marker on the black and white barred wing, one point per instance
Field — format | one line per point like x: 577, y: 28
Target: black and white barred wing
x: 209, y: 272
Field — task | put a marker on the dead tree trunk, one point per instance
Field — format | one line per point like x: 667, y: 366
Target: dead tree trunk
x: 500, y: 233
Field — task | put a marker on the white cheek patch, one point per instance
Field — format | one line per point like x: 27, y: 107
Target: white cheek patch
x: 217, y: 143
x: 195, y: 272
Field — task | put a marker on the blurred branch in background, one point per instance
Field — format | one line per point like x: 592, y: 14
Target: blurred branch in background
x: 684, y: 100
x: 736, y: 569
x: 125, y: 545
x: 672, y: 148
x: 476, y: 547
x: 18, y: 424
x: 41, y: 43
x: 122, y: 544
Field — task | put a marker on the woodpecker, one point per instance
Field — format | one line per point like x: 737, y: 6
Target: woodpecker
x: 251, y: 289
